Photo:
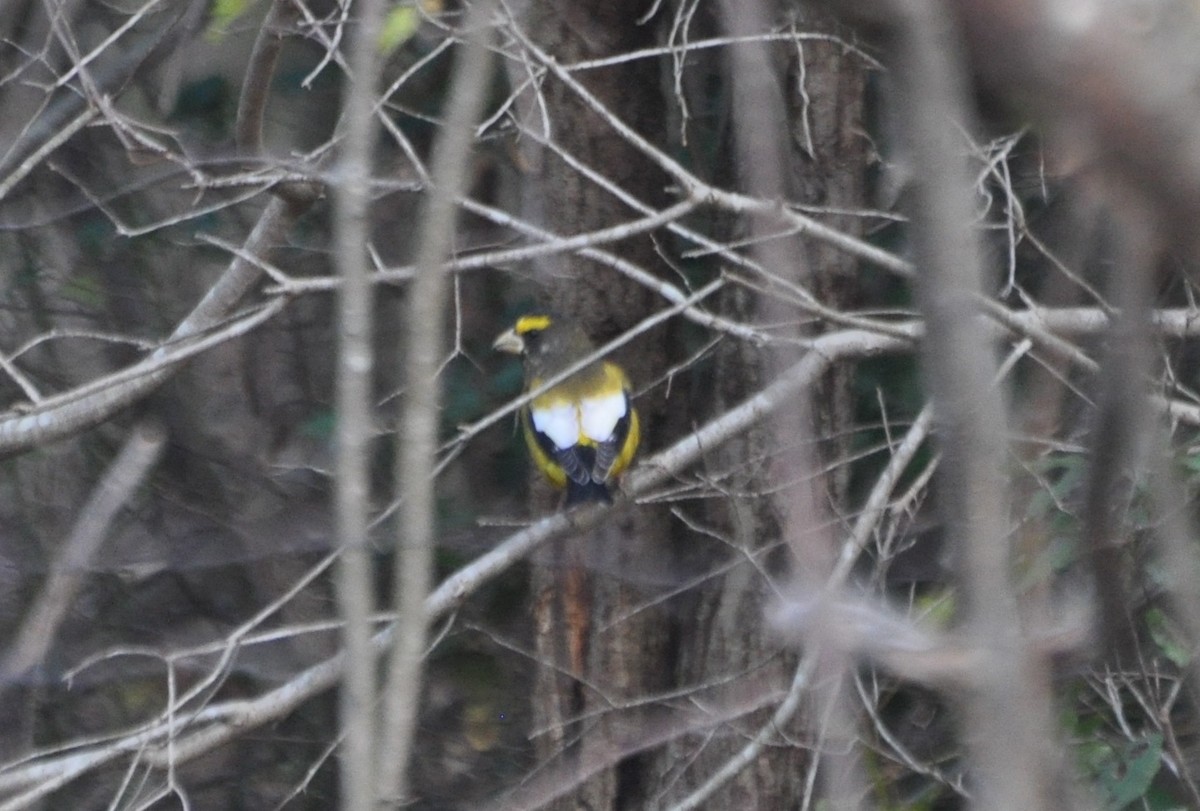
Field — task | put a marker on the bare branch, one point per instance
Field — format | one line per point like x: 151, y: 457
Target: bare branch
x: 65, y: 415
x: 220, y: 722
x: 123, y: 477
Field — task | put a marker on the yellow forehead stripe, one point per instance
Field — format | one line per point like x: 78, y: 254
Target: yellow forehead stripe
x: 531, y: 323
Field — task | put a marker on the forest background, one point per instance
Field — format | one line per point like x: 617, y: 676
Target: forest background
x: 907, y: 290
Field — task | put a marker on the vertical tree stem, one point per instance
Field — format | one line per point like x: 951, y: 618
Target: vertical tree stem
x: 356, y: 362
x: 417, y: 438
x: 1008, y: 712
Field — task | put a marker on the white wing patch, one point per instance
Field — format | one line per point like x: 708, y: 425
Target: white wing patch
x: 559, y: 422
x: 599, y: 416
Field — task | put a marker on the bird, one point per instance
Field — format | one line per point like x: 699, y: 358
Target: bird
x: 583, y: 431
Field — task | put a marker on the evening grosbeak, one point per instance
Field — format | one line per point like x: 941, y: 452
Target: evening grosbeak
x: 583, y: 431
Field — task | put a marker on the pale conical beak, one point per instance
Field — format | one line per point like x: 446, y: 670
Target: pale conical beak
x: 509, y: 341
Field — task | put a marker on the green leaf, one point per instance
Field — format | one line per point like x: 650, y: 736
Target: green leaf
x: 1127, y: 777
x: 1167, y: 636
x: 224, y: 12
x: 401, y: 23
x: 86, y: 290
x: 937, y: 609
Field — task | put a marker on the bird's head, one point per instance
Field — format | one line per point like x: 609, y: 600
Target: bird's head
x: 545, y: 341
x: 527, y: 336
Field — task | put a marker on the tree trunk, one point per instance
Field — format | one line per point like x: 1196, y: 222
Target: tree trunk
x: 596, y: 650
x: 604, y: 641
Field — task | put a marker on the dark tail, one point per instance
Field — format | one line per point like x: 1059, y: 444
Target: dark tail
x: 590, y: 491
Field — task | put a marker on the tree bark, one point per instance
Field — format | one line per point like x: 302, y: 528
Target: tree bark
x: 586, y: 628
x: 821, y: 89
x: 587, y: 632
